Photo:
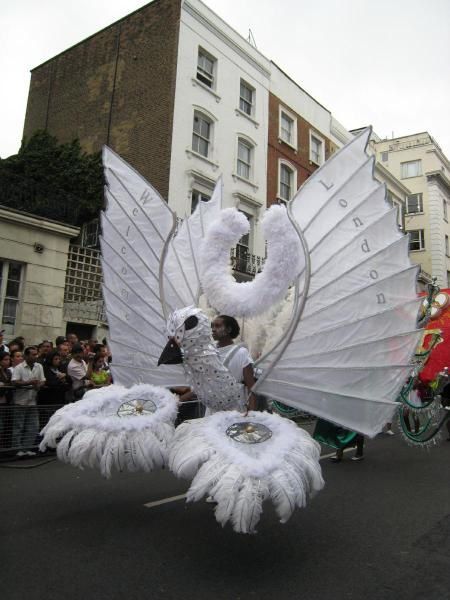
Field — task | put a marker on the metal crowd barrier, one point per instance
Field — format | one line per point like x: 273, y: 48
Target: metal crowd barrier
x: 20, y: 427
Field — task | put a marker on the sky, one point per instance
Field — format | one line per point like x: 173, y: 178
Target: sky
x: 384, y: 63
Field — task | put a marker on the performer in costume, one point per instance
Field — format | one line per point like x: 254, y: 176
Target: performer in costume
x: 343, y: 353
x: 235, y: 357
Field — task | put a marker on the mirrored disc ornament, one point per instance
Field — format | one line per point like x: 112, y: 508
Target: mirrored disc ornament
x: 248, y: 432
x: 136, y: 408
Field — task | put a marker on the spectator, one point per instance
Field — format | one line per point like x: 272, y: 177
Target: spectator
x: 92, y: 343
x: 60, y: 340
x: 56, y: 381
x: 3, y: 347
x: 72, y: 339
x: 28, y: 377
x: 13, y: 346
x: 63, y: 350
x: 77, y: 371
x: 5, y: 376
x: 20, y: 341
x: 102, y: 351
x: 44, y: 349
x: 97, y: 372
x: 5, y: 397
x: 16, y: 359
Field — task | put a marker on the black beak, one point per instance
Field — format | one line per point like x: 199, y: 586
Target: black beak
x: 171, y: 355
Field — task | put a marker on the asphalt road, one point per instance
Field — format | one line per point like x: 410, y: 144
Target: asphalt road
x: 379, y: 530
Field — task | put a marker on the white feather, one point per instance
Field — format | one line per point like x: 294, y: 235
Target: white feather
x: 241, y: 476
x: 248, y: 507
x: 94, y: 435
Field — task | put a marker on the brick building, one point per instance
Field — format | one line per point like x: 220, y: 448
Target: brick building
x: 185, y: 99
x: 117, y: 87
x: 179, y: 94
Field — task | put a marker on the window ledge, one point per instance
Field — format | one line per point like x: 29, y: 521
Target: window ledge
x: 281, y: 200
x: 413, y: 214
x: 237, y: 177
x: 282, y: 141
x: 241, y: 113
x: 210, y: 162
x: 313, y: 162
x: 206, y: 88
x: 421, y: 250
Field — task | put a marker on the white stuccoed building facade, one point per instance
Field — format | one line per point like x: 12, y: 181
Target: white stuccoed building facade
x: 222, y: 82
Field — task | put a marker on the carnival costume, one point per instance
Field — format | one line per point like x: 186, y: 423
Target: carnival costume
x: 338, y: 272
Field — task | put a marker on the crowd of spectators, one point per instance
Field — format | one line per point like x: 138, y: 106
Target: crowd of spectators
x: 35, y: 380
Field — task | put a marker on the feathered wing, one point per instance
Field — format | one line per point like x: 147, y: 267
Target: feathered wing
x: 348, y: 355
x: 147, y: 270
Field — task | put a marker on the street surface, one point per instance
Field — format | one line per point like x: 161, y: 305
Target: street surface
x: 379, y: 530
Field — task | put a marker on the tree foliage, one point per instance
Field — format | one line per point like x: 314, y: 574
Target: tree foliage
x: 56, y: 181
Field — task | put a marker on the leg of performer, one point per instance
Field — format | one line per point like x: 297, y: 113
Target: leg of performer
x: 359, y: 455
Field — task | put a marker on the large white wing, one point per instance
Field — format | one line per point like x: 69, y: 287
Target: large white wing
x: 147, y: 272
x: 348, y: 350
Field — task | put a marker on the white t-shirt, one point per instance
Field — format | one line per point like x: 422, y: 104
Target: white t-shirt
x: 26, y: 397
x: 240, y: 359
x: 77, y: 372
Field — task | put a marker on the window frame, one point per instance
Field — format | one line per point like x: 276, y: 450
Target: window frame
x: 294, y: 143
x: 404, y: 169
x: 201, y: 115
x: 203, y: 197
x: 293, y: 171
x: 202, y: 75
x: 316, y: 136
x: 5, y: 264
x: 420, y: 241
x: 251, y: 89
x: 251, y: 153
x: 419, y: 196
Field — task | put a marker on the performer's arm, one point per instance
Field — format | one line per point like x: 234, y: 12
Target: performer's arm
x: 249, y: 381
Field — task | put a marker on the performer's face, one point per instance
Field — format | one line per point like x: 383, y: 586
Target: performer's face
x: 218, y: 329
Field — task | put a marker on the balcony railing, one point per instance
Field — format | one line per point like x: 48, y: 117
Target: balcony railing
x: 243, y: 261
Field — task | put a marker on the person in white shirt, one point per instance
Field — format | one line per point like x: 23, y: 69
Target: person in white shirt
x: 27, y: 377
x: 77, y: 371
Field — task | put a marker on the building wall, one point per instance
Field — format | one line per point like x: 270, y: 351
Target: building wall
x: 41, y: 295
x: 116, y: 87
x: 311, y: 118
x: 235, y: 59
x: 298, y: 154
x: 435, y: 191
